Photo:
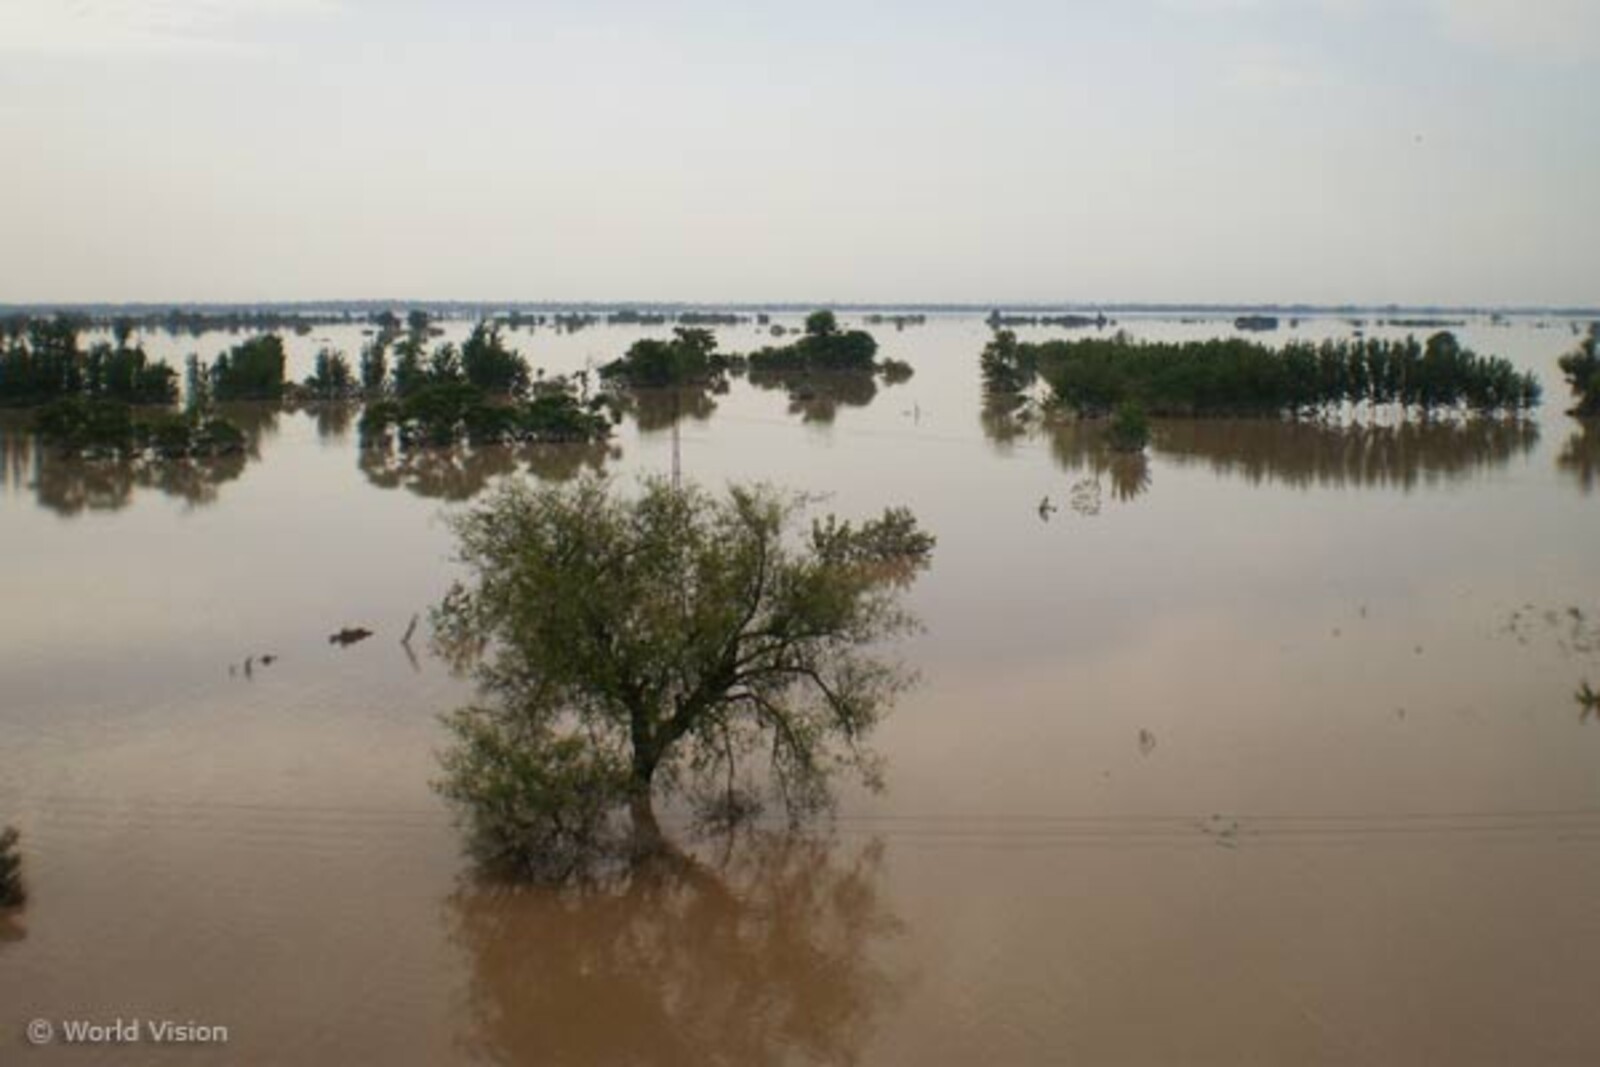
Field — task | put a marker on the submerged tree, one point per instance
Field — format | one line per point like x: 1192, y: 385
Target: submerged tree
x: 1091, y: 376
x: 1582, y: 369
x: 661, y: 643
x: 12, y: 893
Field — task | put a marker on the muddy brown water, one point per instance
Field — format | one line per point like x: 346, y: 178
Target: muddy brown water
x: 1263, y: 750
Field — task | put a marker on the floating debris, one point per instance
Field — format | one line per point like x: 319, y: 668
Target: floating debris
x: 410, y: 629
x: 1046, y: 509
x: 349, y: 635
x: 1223, y: 831
x: 1147, y: 742
x: 268, y: 659
x: 1589, y: 701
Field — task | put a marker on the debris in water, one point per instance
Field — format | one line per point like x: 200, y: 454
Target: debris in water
x: 1225, y: 832
x: 410, y: 629
x: 1147, y: 742
x: 349, y: 635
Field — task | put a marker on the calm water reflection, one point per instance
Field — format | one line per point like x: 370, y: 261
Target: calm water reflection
x: 457, y: 474
x: 761, y: 950
x: 654, y: 410
x: 1580, y: 455
x: 1298, y: 453
x: 68, y: 486
x: 818, y: 396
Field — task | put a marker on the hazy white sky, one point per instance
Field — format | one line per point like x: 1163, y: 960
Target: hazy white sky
x: 1411, y: 151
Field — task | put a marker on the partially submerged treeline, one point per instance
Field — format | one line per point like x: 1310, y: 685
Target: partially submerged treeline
x: 482, y: 392
x: 1092, y: 376
x: 43, y: 360
x: 110, y: 399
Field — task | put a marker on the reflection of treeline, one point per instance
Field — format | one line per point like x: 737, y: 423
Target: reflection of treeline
x: 69, y: 484
x: 1580, y: 456
x: 461, y: 473
x: 765, y: 950
x: 1091, y: 376
x: 1301, y: 453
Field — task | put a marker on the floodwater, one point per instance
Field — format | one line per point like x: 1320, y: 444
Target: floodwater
x: 1261, y: 750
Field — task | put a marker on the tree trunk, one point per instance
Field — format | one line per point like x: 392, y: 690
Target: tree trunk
x: 648, y: 841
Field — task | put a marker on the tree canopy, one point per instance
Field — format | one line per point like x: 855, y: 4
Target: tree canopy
x: 1582, y: 369
x: 670, y: 642
x: 688, y: 358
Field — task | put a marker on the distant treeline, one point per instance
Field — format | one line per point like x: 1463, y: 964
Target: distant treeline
x: 997, y: 320
x: 1091, y: 376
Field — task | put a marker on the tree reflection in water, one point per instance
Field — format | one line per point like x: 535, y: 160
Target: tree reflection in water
x: 462, y: 472
x: 764, y: 952
x: 1298, y: 453
x: 817, y: 396
x: 333, y: 418
x: 69, y: 485
x: 1390, y: 456
x: 654, y: 410
x: 1580, y: 456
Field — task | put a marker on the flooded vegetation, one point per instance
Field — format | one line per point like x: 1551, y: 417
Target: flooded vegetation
x: 1090, y: 377
x: 673, y: 642
x: 1297, y: 694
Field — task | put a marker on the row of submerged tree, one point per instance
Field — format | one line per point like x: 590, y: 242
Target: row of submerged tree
x: 479, y: 393
x: 111, y: 400
x: 1092, y: 376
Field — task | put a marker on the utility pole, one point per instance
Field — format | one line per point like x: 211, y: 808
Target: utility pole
x: 677, y: 416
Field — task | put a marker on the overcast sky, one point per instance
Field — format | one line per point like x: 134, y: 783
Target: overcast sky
x: 1408, y: 151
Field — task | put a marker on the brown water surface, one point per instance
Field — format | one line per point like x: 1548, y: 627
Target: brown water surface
x: 1261, y: 749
